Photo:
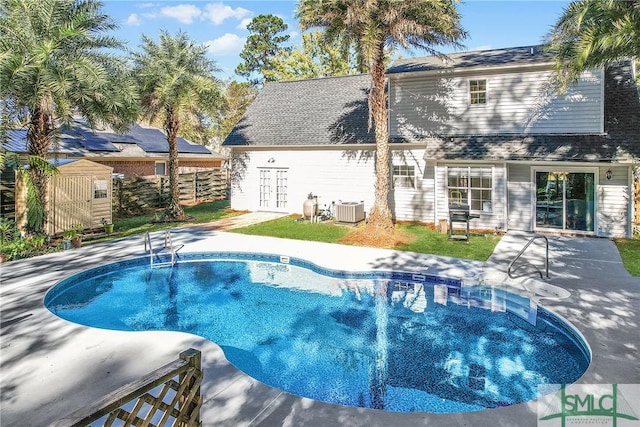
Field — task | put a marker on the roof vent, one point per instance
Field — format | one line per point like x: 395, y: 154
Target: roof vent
x: 531, y: 51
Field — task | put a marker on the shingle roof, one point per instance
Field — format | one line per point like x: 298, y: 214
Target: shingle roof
x: 525, y: 55
x: 620, y: 142
x: 334, y: 111
x: 81, y: 140
x: 331, y: 110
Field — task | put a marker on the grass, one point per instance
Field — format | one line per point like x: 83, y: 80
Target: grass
x: 426, y: 240
x: 290, y: 228
x: 630, y: 252
x: 140, y: 224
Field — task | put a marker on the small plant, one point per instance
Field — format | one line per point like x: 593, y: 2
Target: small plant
x: 8, y: 230
x: 108, y: 227
x: 73, y: 232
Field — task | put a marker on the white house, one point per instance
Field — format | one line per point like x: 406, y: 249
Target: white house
x: 483, y: 128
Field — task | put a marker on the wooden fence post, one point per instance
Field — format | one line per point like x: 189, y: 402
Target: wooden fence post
x: 194, y: 378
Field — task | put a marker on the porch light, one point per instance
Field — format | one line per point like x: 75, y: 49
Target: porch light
x: 609, y: 174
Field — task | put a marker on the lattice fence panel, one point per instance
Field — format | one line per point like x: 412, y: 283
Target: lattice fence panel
x: 169, y: 396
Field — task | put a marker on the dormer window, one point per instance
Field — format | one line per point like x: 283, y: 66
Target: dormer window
x: 477, y: 92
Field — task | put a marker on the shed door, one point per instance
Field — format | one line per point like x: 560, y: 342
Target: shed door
x: 70, y: 203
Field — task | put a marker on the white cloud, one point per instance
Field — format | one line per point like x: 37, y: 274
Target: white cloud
x: 243, y: 24
x: 184, y: 13
x: 133, y: 20
x: 217, y: 13
x: 228, y: 44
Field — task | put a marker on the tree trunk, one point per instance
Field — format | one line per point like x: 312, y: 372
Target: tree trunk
x: 380, y: 216
x: 38, y: 143
x: 174, y: 209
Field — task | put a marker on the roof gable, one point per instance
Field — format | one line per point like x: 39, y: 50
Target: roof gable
x: 332, y: 110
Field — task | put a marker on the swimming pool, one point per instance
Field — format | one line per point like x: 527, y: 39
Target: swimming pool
x: 395, y: 341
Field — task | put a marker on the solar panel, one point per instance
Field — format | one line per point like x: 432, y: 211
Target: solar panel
x: 154, y: 140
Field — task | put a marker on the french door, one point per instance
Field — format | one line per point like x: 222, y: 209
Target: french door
x: 565, y: 200
x: 273, y: 189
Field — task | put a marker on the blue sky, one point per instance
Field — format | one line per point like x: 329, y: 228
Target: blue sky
x: 222, y: 24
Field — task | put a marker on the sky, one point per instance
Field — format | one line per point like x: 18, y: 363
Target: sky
x: 221, y: 25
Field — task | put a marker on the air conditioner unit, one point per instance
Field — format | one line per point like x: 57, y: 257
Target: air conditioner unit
x: 350, y: 212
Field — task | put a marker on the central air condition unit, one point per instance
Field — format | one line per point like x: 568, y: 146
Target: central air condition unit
x: 350, y: 212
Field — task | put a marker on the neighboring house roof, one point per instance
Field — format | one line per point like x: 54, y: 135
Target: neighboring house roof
x: 81, y: 141
x: 331, y: 110
x: 525, y: 55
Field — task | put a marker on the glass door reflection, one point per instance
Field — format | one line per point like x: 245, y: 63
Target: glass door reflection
x: 565, y: 200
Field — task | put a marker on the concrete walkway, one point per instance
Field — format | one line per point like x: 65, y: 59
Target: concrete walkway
x: 50, y: 367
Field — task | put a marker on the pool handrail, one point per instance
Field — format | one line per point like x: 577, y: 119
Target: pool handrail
x: 546, y: 258
x: 168, y: 243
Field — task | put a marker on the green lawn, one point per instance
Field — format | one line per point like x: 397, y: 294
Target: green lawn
x: 290, y: 228
x: 630, y: 252
x: 202, y: 213
x: 426, y: 241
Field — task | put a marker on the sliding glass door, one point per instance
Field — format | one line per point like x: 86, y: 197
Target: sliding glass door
x: 565, y: 200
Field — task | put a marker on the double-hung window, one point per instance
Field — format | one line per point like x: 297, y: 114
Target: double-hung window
x: 471, y: 185
x: 478, y: 92
x: 404, y: 176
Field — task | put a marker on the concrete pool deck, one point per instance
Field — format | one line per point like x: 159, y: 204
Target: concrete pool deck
x: 50, y: 367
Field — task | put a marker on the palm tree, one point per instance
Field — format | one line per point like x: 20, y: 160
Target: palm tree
x: 592, y: 34
x: 54, y: 66
x: 176, y: 83
x: 375, y: 26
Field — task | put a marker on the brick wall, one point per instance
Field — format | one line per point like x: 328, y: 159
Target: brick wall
x: 137, y: 168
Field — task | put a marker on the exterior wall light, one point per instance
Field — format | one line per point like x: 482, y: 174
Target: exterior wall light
x: 609, y: 174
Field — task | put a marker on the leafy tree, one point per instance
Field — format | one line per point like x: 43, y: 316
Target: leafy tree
x: 238, y: 96
x: 374, y: 26
x: 54, y: 65
x: 261, y: 46
x: 592, y: 34
x: 316, y: 58
x: 177, y: 85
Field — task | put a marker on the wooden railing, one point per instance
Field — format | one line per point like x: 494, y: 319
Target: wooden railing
x: 169, y: 396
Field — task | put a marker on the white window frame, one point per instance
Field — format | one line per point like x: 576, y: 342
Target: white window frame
x: 469, y: 189
x: 155, y: 168
x: 100, y: 189
x: 405, y: 180
x: 474, y: 92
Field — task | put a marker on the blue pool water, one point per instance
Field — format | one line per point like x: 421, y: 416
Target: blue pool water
x: 388, y: 340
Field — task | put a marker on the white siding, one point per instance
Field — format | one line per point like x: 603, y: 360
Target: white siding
x: 488, y: 220
x: 613, y: 202
x: 334, y: 175
x: 519, y: 196
x: 517, y: 102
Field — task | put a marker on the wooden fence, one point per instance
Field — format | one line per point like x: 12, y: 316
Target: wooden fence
x: 169, y: 396
x: 142, y: 194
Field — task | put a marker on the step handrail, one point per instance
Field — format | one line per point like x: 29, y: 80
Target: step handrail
x: 167, y: 238
x: 168, y: 243
x: 546, y: 258
x: 147, y: 239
